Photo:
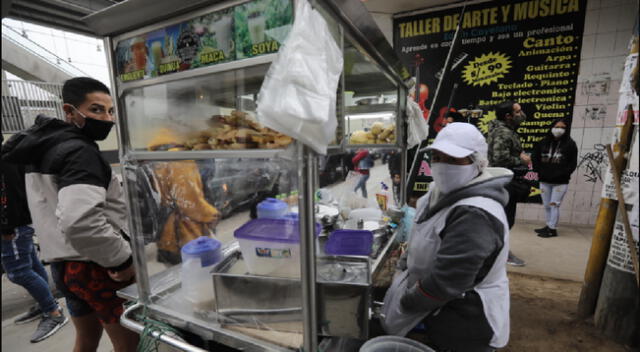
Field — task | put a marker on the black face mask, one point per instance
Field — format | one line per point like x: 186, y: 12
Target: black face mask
x: 96, y: 130
x: 517, y: 120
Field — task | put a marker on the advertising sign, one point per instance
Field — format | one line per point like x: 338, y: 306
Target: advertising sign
x: 524, y: 51
x: 255, y: 28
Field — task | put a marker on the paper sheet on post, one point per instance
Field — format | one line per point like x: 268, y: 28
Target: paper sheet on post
x: 418, y: 129
x: 298, y: 95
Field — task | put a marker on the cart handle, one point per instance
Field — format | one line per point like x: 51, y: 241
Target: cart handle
x: 133, y: 325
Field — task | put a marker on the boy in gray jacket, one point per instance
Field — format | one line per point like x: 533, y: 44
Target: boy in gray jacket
x: 78, y: 209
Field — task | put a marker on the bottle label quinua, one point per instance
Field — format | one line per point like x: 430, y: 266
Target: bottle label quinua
x: 383, y: 197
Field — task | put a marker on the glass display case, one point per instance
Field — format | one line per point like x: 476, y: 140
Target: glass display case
x: 370, y: 101
x: 203, y: 178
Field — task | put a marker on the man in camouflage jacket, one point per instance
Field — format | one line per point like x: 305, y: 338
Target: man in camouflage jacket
x: 506, y: 151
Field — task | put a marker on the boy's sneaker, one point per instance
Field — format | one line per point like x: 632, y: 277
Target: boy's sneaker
x: 515, y: 261
x: 48, y: 326
x: 31, y: 315
x: 550, y: 233
x: 542, y: 230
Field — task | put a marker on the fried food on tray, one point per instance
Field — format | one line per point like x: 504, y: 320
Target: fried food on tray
x: 238, y: 130
x: 201, y: 146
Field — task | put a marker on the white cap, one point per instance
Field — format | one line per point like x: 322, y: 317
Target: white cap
x: 459, y: 140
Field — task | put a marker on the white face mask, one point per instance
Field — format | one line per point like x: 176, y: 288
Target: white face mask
x: 451, y: 177
x: 557, y: 132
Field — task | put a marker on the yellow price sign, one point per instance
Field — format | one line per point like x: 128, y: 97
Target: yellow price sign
x: 486, y: 69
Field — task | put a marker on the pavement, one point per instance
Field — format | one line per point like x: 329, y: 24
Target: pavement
x: 562, y: 257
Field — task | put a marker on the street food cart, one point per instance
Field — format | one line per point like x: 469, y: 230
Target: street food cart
x: 185, y: 78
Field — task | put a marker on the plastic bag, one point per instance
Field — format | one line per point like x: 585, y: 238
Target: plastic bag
x: 407, y: 224
x: 351, y: 200
x: 298, y: 96
x: 352, y: 179
x: 325, y: 196
x: 418, y: 129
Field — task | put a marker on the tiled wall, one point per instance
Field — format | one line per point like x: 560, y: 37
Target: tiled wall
x: 608, y: 29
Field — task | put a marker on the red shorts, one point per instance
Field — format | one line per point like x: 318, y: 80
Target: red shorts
x: 91, y: 284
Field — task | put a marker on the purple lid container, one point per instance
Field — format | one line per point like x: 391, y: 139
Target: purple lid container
x: 272, y: 230
x: 349, y: 242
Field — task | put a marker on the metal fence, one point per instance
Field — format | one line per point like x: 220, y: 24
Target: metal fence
x: 22, y: 101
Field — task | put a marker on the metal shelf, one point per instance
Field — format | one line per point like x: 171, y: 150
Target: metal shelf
x: 371, y: 146
x: 203, y: 154
x: 198, y: 72
x: 370, y: 108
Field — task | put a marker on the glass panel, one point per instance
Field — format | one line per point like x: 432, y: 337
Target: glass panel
x: 335, y: 28
x: 370, y: 100
x: 215, y: 111
x: 257, y: 287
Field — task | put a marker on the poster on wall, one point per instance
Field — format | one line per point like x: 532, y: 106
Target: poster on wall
x: 523, y: 51
x: 628, y: 97
x: 255, y: 28
x: 619, y: 251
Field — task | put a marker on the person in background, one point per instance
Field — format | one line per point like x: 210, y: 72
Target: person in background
x: 555, y: 159
x: 506, y: 151
x: 395, y: 169
x: 78, y: 211
x: 453, y: 276
x: 19, y: 258
x: 362, y: 163
x: 180, y: 187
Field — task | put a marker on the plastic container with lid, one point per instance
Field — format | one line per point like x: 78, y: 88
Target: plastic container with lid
x: 272, y: 208
x: 349, y: 242
x: 271, y: 247
x: 198, y: 258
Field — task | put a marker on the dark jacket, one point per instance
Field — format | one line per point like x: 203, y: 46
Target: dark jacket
x: 471, y: 244
x: 504, y: 146
x: 14, y: 209
x: 76, y: 202
x: 471, y: 238
x: 555, y: 159
x: 395, y: 163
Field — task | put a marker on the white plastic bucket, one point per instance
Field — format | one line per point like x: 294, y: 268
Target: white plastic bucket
x: 394, y: 344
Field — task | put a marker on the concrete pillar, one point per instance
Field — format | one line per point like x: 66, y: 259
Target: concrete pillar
x: 5, y: 86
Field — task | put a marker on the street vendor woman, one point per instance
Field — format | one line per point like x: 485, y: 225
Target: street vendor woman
x: 453, y: 276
